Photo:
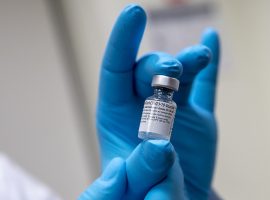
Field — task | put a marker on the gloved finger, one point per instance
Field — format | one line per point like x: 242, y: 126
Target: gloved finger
x: 204, y: 89
x: 117, y: 67
x: 148, y: 164
x: 171, y: 188
x: 152, y: 64
x: 193, y: 59
x: 111, y: 184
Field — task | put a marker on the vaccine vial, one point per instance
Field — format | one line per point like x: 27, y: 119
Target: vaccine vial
x: 159, y: 110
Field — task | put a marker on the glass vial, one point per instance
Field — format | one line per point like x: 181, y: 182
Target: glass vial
x: 159, y: 110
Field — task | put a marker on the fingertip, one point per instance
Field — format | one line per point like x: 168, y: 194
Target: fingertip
x: 194, y: 58
x: 210, y: 38
x: 131, y: 22
x: 117, y: 161
x: 135, y: 10
x: 158, y: 63
x: 210, y: 31
x: 133, y: 7
x: 158, y: 154
x: 154, y: 63
x: 168, y: 66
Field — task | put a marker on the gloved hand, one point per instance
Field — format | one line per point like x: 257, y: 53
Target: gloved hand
x: 124, y: 85
x: 150, y: 164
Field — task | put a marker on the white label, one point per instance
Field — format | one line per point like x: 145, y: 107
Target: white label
x: 157, y: 117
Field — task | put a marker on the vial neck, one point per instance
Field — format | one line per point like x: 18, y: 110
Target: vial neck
x: 163, y: 93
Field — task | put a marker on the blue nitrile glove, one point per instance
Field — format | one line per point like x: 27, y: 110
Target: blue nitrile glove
x: 124, y: 85
x: 147, y: 166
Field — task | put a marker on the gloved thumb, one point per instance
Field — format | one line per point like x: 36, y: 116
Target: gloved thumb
x: 172, y: 187
x: 110, y: 185
x: 147, y: 165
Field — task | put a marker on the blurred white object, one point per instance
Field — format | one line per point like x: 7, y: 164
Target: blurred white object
x: 15, y: 184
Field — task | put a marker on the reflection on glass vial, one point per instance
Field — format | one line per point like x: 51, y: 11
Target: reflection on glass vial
x: 159, y: 109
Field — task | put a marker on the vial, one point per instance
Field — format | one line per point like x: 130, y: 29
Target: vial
x: 159, y: 110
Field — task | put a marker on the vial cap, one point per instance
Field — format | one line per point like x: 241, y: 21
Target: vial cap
x: 166, y: 82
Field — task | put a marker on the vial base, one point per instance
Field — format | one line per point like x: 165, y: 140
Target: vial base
x: 152, y: 136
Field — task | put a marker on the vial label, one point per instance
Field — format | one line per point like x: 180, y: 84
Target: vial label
x: 157, y: 117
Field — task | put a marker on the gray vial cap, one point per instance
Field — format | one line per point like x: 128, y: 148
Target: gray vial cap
x: 166, y: 82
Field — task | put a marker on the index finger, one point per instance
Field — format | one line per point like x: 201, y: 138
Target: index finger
x: 117, y: 65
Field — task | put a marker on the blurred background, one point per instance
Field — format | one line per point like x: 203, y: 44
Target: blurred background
x: 50, y: 52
